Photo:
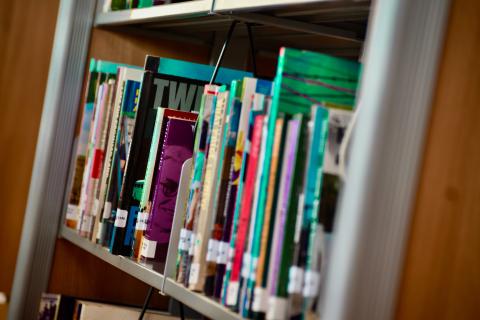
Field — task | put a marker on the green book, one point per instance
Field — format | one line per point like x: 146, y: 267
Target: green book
x: 303, y: 79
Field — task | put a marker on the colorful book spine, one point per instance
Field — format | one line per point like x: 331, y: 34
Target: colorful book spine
x: 145, y: 205
x: 245, y: 214
x: 293, y: 218
x: 223, y: 223
x: 100, y: 159
x: 95, y: 160
x: 167, y: 83
x: 208, y: 125
x: 155, y: 93
x: 251, y: 253
x: 124, y: 74
x: 123, y: 138
x: 93, y: 84
x: 201, y: 263
x: 289, y: 158
x: 305, y: 236
x: 176, y: 148
x: 186, y: 238
x: 260, y: 294
x: 249, y: 87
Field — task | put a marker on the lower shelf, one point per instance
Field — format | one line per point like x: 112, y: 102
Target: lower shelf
x: 194, y: 300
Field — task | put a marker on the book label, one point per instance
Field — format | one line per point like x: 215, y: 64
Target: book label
x: 260, y: 300
x: 212, y: 250
x: 148, y: 248
x: 312, y: 283
x: 99, y: 231
x: 86, y: 223
x: 277, y: 308
x: 96, y: 204
x: 184, y: 242
x: 295, y: 280
x: 142, y: 220
x: 194, y: 273
x: 232, y: 293
x: 72, y: 212
x: 223, y: 248
x: 246, y: 264
x: 121, y: 218
x: 191, y: 245
x: 107, y: 210
x: 253, y: 271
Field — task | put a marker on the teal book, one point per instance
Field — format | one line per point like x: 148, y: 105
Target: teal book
x: 303, y: 79
x: 250, y: 86
x: 307, y: 215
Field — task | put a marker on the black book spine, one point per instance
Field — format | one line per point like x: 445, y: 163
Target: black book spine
x: 119, y: 245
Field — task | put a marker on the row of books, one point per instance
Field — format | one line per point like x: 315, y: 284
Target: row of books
x: 113, y: 5
x: 61, y: 307
x: 254, y: 208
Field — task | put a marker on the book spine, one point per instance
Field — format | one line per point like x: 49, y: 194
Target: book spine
x: 208, y: 118
x: 99, y: 159
x: 72, y: 215
x: 286, y: 252
x: 202, y: 258
x: 118, y: 244
x: 244, y: 218
x: 120, y: 156
x: 260, y: 301
x: 142, y: 220
x: 222, y: 227
x: 282, y: 206
x: 199, y: 160
x: 85, y: 219
x: 240, y: 163
x: 109, y: 141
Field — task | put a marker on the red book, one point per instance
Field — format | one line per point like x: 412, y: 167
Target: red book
x: 245, y: 213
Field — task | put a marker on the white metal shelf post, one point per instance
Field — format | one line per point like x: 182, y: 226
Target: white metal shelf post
x: 52, y: 162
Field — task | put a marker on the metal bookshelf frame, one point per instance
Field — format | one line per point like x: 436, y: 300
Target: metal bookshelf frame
x: 403, y: 45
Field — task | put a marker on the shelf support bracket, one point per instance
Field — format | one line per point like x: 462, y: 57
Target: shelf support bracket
x: 224, y: 48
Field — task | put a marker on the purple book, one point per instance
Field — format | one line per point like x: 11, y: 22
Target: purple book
x: 282, y: 205
x: 177, y: 147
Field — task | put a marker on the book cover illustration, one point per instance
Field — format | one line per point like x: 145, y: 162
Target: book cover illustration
x: 177, y: 147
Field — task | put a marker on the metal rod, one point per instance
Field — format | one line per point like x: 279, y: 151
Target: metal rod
x: 145, y: 304
x: 224, y: 48
x: 252, y: 49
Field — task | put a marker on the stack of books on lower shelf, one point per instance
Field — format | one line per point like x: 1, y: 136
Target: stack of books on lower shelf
x: 114, y: 5
x: 252, y: 214
x: 61, y: 307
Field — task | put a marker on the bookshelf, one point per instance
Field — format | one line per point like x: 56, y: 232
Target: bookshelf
x: 310, y: 24
x: 196, y: 301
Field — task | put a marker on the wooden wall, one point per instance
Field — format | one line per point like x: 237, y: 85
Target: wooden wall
x: 26, y: 36
x: 442, y: 269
